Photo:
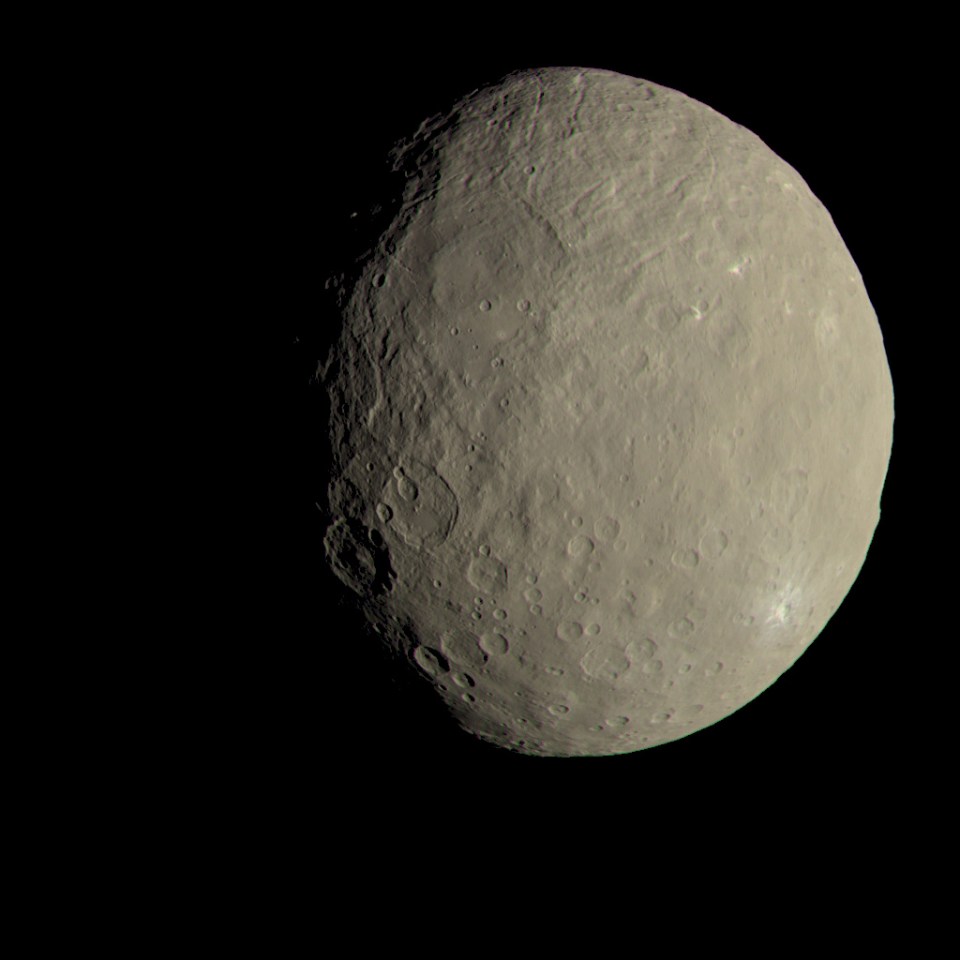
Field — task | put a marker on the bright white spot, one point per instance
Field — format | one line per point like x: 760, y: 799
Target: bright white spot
x: 782, y: 610
x: 781, y: 613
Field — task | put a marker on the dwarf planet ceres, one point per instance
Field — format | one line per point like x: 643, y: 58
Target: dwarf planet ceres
x: 610, y: 415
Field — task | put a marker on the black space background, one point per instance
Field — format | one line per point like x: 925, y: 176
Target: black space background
x: 330, y: 726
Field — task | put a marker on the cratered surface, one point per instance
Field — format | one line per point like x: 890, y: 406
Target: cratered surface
x: 611, y: 415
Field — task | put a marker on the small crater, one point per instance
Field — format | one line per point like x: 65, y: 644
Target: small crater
x: 592, y: 629
x: 618, y: 722
x: 790, y: 492
x: 713, y: 544
x: 645, y: 648
x: 487, y: 574
x: 686, y: 559
x: 463, y: 649
x: 558, y: 709
x: 713, y: 670
x: 580, y: 546
x: 358, y: 558
x: 485, y: 306
x: 664, y: 317
x: 523, y: 306
x: 605, y: 661
x: 569, y: 630
x: 682, y: 628
x: 494, y: 644
x: 407, y: 489
x: 607, y: 528
x: 384, y: 513
x: 776, y: 544
x: 431, y: 661
x: 532, y: 595
x: 424, y: 507
x: 464, y: 680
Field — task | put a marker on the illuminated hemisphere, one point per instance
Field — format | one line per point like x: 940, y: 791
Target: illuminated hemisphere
x: 611, y: 415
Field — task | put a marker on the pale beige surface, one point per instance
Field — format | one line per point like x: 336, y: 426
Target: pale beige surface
x: 613, y: 401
